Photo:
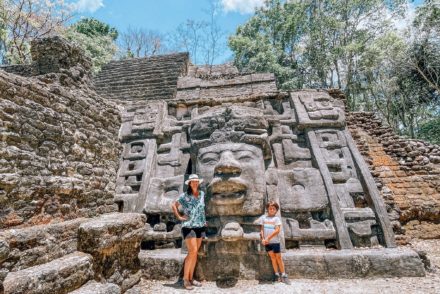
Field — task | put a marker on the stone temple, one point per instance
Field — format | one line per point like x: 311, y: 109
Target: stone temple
x: 127, y: 139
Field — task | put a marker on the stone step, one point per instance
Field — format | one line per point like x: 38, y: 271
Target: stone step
x: 299, y: 263
x: 61, y: 276
x: 137, y: 95
x: 145, y: 83
x: 132, y: 93
x: 114, y: 74
x: 162, y: 263
x: 137, y: 92
x: 93, y: 287
x: 141, y: 61
x: 130, y: 66
x: 159, y: 58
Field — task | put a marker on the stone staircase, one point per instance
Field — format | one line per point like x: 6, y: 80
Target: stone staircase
x: 134, y: 79
x: 96, y: 255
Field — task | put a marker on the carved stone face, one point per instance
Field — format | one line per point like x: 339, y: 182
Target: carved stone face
x: 234, y: 174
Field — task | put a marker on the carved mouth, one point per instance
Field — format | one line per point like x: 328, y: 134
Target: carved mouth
x: 227, y: 192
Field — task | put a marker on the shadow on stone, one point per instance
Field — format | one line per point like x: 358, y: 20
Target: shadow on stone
x: 226, y: 283
x: 177, y: 285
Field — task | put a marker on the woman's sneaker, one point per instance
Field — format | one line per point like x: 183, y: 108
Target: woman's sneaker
x: 276, y: 277
x: 285, y: 279
x: 196, y: 283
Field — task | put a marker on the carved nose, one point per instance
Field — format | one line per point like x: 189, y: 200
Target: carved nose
x: 227, y: 164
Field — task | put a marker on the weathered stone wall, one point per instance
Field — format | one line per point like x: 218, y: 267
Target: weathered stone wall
x: 59, y: 151
x: 51, y: 55
x: 407, y: 173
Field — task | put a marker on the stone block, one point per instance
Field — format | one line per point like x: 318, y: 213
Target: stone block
x: 299, y: 264
x: 161, y: 264
x: 55, y: 53
x: 114, y: 242
x: 94, y: 287
x: 58, y: 276
x: 39, y: 244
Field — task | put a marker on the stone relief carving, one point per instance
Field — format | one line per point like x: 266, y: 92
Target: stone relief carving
x: 248, y: 151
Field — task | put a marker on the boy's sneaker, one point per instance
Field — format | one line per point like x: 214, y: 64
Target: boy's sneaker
x: 276, y: 277
x: 285, y: 279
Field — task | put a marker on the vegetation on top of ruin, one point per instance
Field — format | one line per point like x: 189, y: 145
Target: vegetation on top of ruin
x: 385, y: 61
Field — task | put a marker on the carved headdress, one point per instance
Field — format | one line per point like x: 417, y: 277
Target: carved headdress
x: 237, y: 124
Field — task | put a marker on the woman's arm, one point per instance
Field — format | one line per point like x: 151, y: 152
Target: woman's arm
x: 175, y: 208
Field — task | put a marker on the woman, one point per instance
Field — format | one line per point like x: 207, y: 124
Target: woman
x: 193, y: 226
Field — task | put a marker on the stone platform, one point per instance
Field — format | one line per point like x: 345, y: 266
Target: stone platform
x: 308, y: 263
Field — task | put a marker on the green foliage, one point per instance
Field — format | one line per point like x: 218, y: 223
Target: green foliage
x: 94, y: 28
x: 430, y: 131
x: 354, y: 46
x: 100, y: 48
x: 3, y: 32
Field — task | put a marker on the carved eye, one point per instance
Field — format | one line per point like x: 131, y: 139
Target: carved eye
x: 171, y: 194
x: 210, y: 158
x: 244, y: 156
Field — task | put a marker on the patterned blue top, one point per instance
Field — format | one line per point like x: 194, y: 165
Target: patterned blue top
x: 194, y: 210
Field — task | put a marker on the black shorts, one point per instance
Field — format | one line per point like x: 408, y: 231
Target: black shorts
x: 194, y: 232
x: 275, y: 247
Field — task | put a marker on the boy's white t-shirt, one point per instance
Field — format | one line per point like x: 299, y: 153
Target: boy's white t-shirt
x: 269, y: 224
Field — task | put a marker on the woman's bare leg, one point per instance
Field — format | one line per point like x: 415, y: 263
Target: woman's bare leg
x: 199, y: 243
x: 191, y: 258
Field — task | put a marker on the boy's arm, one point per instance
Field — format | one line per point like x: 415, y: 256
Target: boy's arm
x: 261, y: 232
x: 276, y: 232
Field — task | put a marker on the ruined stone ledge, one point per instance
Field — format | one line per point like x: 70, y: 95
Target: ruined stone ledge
x: 108, y: 230
x: 38, y: 244
x: 59, y: 276
x: 114, y: 242
x: 161, y: 264
x: 94, y: 287
x: 312, y: 264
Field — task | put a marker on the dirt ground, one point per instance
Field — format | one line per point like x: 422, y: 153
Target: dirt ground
x: 425, y: 285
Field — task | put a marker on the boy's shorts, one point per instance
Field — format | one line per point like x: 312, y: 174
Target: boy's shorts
x: 193, y: 232
x: 275, y: 247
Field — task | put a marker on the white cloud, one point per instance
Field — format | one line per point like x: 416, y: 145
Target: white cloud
x: 241, y: 6
x: 88, y: 5
x: 403, y: 23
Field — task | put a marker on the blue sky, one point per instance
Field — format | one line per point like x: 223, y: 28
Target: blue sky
x: 165, y: 16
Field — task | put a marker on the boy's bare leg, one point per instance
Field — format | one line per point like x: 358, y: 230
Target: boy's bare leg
x: 274, y: 261
x: 279, y: 262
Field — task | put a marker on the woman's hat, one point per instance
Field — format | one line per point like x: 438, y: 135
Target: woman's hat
x: 193, y: 177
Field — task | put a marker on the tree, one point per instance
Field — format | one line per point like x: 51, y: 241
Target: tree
x: 138, y: 42
x: 312, y: 43
x: 430, y: 130
x: 96, y: 39
x: 3, y: 32
x: 189, y: 37
x: 351, y: 45
x: 27, y: 20
x: 93, y: 27
x: 201, y: 38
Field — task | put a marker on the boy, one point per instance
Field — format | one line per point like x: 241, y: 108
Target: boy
x: 269, y: 234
